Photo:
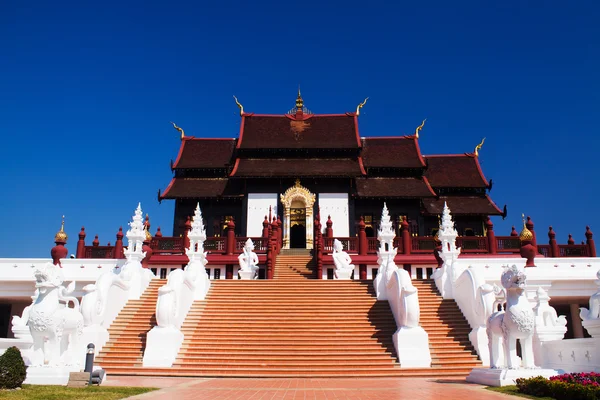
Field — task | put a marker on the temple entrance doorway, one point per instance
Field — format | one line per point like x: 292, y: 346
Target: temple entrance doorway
x: 298, y: 204
x: 298, y: 227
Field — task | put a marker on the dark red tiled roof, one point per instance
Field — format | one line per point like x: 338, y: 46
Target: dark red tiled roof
x: 393, y: 187
x: 204, y: 153
x: 455, y: 171
x: 195, y: 187
x: 284, y: 132
x: 462, y: 205
x: 246, y: 167
x: 392, y: 152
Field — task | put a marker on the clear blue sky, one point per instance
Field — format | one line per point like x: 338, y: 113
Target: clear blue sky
x: 87, y: 90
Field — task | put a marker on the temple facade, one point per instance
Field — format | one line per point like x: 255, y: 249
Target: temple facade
x: 298, y: 165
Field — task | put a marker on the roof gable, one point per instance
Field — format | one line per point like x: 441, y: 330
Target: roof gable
x: 455, y: 170
x: 287, y: 132
x: 204, y: 153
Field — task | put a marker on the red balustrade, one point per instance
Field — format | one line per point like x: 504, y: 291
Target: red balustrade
x: 372, y: 245
x: 398, y: 244
x: 215, y: 244
x: 545, y: 250
x: 260, y: 244
x: 508, y: 244
x: 472, y: 244
x: 424, y: 244
x: 167, y: 245
x: 99, y: 251
x: 348, y: 243
x: 573, y: 250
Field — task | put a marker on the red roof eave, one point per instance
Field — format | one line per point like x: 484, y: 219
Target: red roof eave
x: 494, y: 204
x: 479, y: 169
x: 163, y: 195
x: 183, y: 142
x: 235, y: 167
x: 239, y: 143
x: 429, y: 186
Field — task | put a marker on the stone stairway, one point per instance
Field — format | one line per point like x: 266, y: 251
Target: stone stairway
x: 447, y: 328
x: 127, y: 340
x: 292, y: 326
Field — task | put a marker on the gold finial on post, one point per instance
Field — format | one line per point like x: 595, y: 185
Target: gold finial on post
x: 239, y: 105
x: 299, y: 100
x: 179, y: 129
x: 361, y: 105
x: 420, y: 127
x: 478, y: 147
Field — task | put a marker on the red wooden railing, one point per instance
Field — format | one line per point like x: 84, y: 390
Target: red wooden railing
x: 348, y: 243
x: 215, y: 244
x: 573, y: 250
x: 260, y: 244
x: 167, y: 245
x: 472, y: 244
x: 423, y: 244
x: 508, y: 244
x: 99, y: 251
x: 545, y: 250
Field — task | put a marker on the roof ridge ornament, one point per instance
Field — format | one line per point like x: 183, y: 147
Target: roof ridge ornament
x: 178, y: 129
x: 239, y: 105
x: 361, y: 105
x: 299, y: 109
x: 478, y: 147
x: 420, y: 127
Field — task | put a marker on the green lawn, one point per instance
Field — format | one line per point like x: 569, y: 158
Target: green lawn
x: 39, y: 392
x: 515, y: 392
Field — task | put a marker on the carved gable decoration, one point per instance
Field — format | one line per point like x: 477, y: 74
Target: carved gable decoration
x: 298, y: 192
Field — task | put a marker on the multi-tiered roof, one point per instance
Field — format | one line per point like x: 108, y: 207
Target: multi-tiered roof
x: 301, y: 144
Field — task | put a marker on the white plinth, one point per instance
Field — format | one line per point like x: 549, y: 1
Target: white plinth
x: 412, y: 347
x: 505, y: 377
x: 344, y: 274
x: 95, y: 334
x: 592, y: 326
x: 247, y: 275
x: 49, y: 375
x: 162, y: 347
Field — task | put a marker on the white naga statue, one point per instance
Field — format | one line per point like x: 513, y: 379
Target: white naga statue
x: 591, y: 317
x: 517, y: 321
x: 248, y: 262
x: 55, y: 328
x: 342, y: 262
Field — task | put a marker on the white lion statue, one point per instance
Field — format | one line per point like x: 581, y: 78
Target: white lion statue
x: 55, y: 328
x: 342, y: 261
x: 515, y: 322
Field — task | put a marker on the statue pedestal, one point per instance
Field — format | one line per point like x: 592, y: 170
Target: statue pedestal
x: 247, y: 275
x: 592, y: 326
x: 344, y: 274
x: 162, y: 347
x: 412, y: 347
x: 505, y: 377
x: 49, y: 375
x: 94, y: 334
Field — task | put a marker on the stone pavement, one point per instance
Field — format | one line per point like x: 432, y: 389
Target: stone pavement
x: 307, y: 389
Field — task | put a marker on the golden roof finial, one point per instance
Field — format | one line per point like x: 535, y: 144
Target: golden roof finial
x: 299, y: 101
x: 478, y: 147
x: 525, y: 234
x: 297, y: 182
x: 239, y: 105
x: 419, y: 128
x: 361, y: 105
x: 61, y: 235
x: 179, y: 129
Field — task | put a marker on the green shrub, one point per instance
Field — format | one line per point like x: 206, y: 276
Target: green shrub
x: 12, y: 369
x: 538, y: 386
x: 573, y: 391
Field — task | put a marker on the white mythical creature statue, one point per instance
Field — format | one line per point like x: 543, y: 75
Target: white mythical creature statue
x: 517, y: 321
x: 342, y: 262
x: 20, y: 328
x: 55, y: 328
x: 591, y: 317
x: 248, y: 261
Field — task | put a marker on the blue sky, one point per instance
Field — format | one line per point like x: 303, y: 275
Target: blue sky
x: 87, y: 90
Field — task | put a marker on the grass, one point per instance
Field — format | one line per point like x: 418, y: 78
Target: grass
x: 512, y: 390
x: 40, y: 392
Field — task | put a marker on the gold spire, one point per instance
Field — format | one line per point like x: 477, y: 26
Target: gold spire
x: 478, y: 147
x: 299, y: 101
x: 419, y: 128
x: 61, y: 236
x: 147, y: 233
x: 525, y: 234
x: 239, y: 105
x: 179, y: 129
x: 361, y: 105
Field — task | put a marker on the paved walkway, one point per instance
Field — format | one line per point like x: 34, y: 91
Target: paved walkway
x: 307, y: 389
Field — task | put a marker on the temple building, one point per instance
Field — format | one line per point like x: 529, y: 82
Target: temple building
x: 301, y: 164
